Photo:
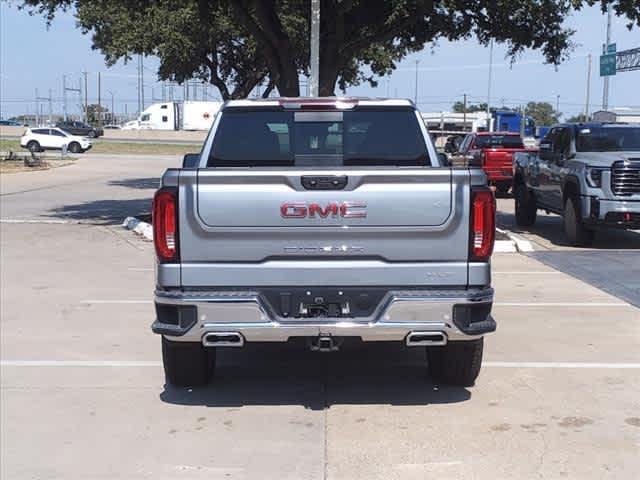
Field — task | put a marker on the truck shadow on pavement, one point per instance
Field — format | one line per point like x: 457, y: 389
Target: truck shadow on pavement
x: 102, y: 212
x: 262, y: 374
x: 549, y: 228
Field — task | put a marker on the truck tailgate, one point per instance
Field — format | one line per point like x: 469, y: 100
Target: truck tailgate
x: 391, y: 226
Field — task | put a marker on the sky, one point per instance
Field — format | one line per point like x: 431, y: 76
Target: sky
x: 34, y: 57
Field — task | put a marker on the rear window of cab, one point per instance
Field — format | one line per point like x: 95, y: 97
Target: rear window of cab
x: 276, y: 138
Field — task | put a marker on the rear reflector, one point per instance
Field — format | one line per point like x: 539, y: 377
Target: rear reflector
x: 483, y: 224
x: 165, y: 224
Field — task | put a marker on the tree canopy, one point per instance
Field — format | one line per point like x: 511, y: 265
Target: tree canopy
x: 542, y: 112
x: 238, y: 44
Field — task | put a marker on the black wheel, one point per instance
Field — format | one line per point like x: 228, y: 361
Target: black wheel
x: 574, y: 229
x: 74, y: 147
x: 526, y: 208
x: 456, y: 363
x: 187, y: 364
x: 33, y: 146
x: 91, y: 134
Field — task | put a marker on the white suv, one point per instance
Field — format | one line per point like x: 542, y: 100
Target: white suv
x: 39, y: 139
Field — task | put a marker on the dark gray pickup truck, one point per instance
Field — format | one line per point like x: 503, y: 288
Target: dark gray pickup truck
x: 320, y: 220
x: 587, y: 172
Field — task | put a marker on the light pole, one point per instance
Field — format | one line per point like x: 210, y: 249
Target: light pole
x: 415, y: 92
x: 314, y: 78
x: 112, y: 106
x: 489, y: 85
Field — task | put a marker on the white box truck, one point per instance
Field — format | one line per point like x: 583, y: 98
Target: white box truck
x: 187, y: 115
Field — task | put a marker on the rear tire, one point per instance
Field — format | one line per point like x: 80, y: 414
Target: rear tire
x: 91, y: 134
x: 526, y: 208
x: 575, y: 231
x: 457, y: 363
x: 74, y: 147
x: 33, y: 146
x: 187, y: 364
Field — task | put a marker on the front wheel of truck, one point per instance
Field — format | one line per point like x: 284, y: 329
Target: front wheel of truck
x: 576, y: 232
x: 187, y: 364
x: 456, y: 363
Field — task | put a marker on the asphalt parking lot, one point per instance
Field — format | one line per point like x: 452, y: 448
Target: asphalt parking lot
x: 83, y: 394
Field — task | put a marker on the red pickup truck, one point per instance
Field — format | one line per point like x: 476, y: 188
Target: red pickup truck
x: 493, y: 151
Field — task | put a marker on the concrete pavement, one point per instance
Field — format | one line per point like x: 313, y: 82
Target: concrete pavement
x: 83, y: 394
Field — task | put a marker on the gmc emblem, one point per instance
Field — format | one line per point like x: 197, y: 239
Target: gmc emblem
x: 333, y: 209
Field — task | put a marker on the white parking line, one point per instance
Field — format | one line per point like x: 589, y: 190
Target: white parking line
x: 115, y: 302
x: 37, y: 220
x: 561, y: 304
x: 550, y: 272
x: 79, y: 363
x: 152, y: 363
x: 560, y: 365
x: 495, y: 304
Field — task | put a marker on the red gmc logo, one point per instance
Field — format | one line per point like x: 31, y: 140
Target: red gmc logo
x: 333, y: 209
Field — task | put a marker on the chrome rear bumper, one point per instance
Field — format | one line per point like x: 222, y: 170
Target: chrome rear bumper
x: 399, y: 314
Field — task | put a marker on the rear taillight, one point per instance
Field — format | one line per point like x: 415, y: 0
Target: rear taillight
x: 165, y: 224
x: 483, y: 224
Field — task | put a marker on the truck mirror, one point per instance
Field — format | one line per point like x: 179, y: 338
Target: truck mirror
x: 191, y: 160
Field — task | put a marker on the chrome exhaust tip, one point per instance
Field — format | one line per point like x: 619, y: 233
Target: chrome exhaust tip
x: 427, y: 339
x: 223, y: 339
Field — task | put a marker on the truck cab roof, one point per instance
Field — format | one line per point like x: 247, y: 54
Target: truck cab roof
x: 300, y: 103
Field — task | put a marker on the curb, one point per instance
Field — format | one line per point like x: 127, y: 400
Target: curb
x: 520, y: 244
x: 505, y: 246
x: 143, y: 229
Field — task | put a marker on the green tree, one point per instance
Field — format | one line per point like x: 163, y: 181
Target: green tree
x: 542, y: 112
x: 578, y: 118
x: 237, y: 44
x: 458, y: 107
x: 95, y: 113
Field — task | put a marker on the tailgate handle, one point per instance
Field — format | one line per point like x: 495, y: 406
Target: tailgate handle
x: 331, y: 182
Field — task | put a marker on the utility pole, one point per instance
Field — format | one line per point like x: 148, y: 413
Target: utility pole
x: 489, y: 85
x: 142, y: 81
x: 388, y: 86
x: 464, y: 113
x: 99, y: 102
x: 37, y: 109
x: 112, y: 107
x: 314, y: 79
x: 586, y: 103
x: 605, y: 88
x: 139, y: 109
x: 86, y: 98
x: 64, y: 97
x: 50, y: 109
x: 415, y: 92
x: 558, y: 106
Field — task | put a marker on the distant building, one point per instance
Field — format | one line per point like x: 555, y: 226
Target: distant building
x: 627, y: 116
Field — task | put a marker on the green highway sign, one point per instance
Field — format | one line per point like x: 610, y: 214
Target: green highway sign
x: 611, y: 48
x: 607, y: 64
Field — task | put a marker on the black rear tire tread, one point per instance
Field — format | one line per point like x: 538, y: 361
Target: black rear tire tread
x: 575, y: 231
x: 187, y: 364
x: 457, y: 363
x: 526, y: 208
x: 33, y: 146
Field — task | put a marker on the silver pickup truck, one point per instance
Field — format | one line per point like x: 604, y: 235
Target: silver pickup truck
x: 587, y: 172
x: 321, y: 220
